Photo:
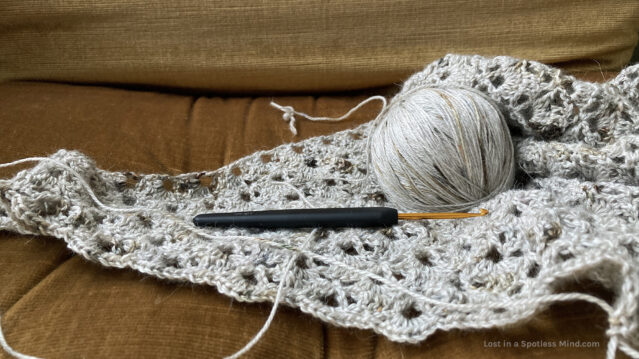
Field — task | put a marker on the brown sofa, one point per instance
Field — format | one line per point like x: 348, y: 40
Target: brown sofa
x: 181, y: 88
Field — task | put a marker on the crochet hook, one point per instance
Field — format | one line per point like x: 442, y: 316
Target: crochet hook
x: 321, y: 217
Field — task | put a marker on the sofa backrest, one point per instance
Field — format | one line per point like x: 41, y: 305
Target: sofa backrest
x: 287, y: 45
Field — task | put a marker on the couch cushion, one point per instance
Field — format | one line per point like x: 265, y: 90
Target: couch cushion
x: 58, y: 305
x: 289, y: 45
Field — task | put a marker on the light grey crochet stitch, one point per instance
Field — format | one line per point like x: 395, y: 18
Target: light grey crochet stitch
x: 573, y: 213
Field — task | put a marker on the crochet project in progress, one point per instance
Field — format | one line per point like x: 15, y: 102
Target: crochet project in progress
x: 572, y: 214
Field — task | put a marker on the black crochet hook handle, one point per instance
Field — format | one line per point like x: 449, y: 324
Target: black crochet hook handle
x: 300, y: 218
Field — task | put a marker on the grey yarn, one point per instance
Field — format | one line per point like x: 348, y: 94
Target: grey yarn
x: 572, y: 213
x: 442, y: 149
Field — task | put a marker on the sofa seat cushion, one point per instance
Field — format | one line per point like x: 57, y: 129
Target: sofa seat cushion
x: 57, y: 305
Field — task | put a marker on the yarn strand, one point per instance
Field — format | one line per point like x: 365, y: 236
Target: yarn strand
x: 289, y: 116
x: 14, y: 353
x: 80, y: 180
x: 276, y: 304
x: 290, y: 112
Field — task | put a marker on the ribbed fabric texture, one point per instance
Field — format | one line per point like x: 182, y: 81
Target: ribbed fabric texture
x: 286, y: 45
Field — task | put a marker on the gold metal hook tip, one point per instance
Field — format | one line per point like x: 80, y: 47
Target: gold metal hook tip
x: 444, y: 215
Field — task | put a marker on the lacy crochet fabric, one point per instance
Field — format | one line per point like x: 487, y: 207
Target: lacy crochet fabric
x: 573, y: 213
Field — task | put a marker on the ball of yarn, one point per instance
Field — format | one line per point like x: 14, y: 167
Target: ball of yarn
x: 442, y: 149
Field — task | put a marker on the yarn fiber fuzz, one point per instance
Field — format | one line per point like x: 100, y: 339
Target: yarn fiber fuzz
x: 572, y: 214
x: 440, y: 149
